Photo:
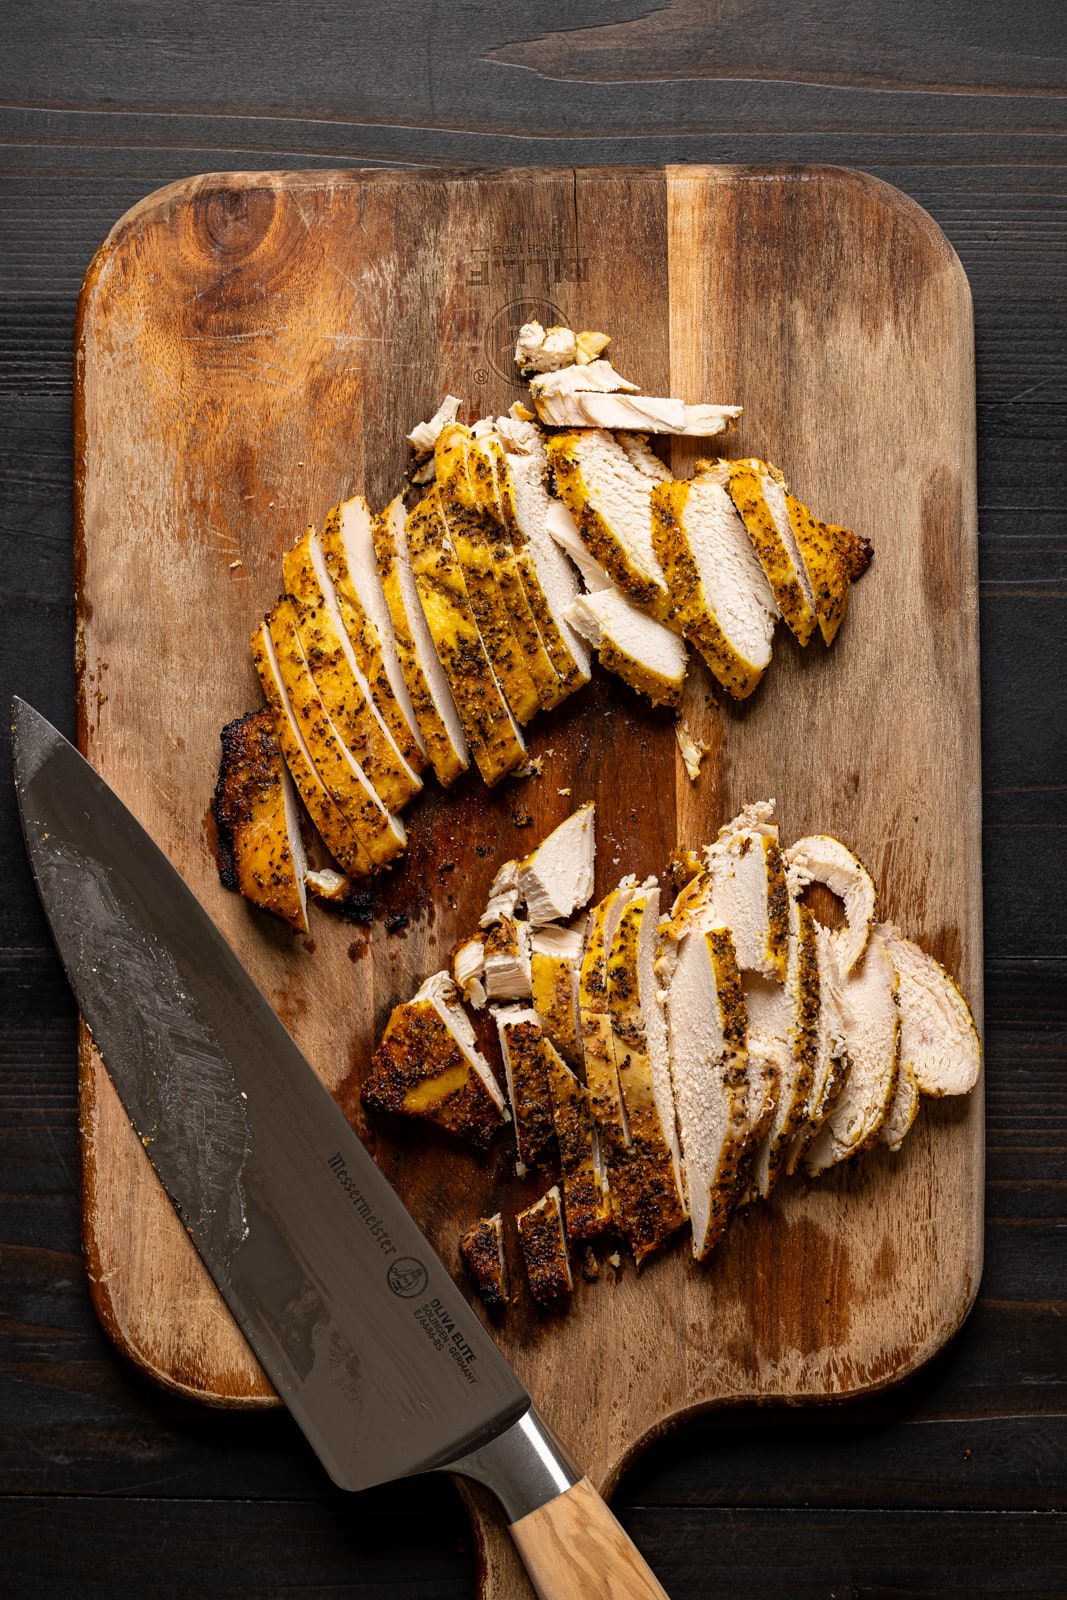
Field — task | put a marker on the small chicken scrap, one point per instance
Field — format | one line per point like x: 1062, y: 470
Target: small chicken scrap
x: 481, y: 1250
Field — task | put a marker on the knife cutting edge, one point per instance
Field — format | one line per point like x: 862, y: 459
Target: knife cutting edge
x: 363, y: 1332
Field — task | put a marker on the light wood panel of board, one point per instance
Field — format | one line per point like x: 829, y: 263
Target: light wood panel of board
x: 252, y: 348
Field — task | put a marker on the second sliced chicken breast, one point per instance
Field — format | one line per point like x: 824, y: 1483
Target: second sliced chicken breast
x: 631, y: 644
x: 610, y: 501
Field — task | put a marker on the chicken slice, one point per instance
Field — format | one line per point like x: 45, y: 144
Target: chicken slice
x: 824, y: 559
x: 483, y: 551
x: 784, y: 1025
x: 491, y: 730
x: 488, y: 474
x: 506, y: 961
x: 595, y: 377
x: 438, y: 721
x: 601, y: 1072
x: 546, y: 573
x: 821, y: 858
x: 557, y: 878
x: 544, y: 1246
x: 347, y: 551
x: 337, y: 832
x: 870, y: 1014
x: 720, y: 596
x: 636, y: 413
x: 481, y: 1250
x: 746, y: 886
x: 423, y: 435
x: 610, y: 500
x: 759, y: 493
x: 707, y: 1030
x: 555, y: 963
x: 336, y: 673
x: 585, y: 1183
x: 654, y: 1193
x: 903, y: 1109
x: 563, y: 530
x: 523, y: 1047
x: 938, y: 1038
x: 831, y: 1060
x: 260, y: 849
x: 382, y: 834
x: 503, y: 895
x: 428, y: 1065
x: 632, y: 645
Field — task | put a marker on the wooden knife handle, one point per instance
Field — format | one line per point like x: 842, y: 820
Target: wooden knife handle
x: 573, y: 1549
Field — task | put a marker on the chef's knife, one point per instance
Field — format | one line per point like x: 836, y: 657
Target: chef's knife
x: 364, y: 1334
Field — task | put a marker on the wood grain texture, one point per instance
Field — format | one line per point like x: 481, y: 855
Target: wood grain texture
x: 293, y: 329
x: 573, y: 1545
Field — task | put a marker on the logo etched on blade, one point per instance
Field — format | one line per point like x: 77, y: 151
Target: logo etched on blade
x: 407, y: 1277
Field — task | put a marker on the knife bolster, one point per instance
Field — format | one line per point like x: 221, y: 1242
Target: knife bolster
x: 525, y: 1466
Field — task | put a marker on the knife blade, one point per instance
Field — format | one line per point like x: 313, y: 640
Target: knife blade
x: 360, y: 1327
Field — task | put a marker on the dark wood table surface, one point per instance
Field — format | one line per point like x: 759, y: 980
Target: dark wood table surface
x: 955, y: 1481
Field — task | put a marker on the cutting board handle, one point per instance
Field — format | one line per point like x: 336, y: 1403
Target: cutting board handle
x: 573, y: 1549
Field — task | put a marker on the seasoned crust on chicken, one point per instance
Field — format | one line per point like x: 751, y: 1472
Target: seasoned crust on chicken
x: 523, y: 1047
x: 434, y: 709
x: 381, y: 834
x: 654, y: 1195
x: 347, y: 551
x: 345, y: 692
x: 490, y: 728
x: 555, y: 960
x: 481, y: 1250
x: 720, y: 597
x: 428, y: 1065
x: 484, y: 553
x: 798, y: 1049
x: 544, y: 1248
x: 260, y: 851
x: 337, y: 832
x: 610, y: 501
x: 758, y: 492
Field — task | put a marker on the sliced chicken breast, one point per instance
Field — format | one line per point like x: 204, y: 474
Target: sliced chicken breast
x: 544, y: 1248
x: 439, y: 723
x: 381, y: 833
x: 821, y: 858
x: 631, y: 644
x: 428, y: 1065
x: 257, y: 823
x: 610, y: 500
x: 747, y: 889
x: 557, y: 878
x: 938, y: 1038
x: 506, y: 961
x: 345, y: 692
x: 481, y: 1250
x: 491, y: 730
x: 759, y: 493
x: 522, y: 1045
x: 720, y: 597
x: 601, y: 1072
x: 346, y: 550
x: 640, y: 1046
x: 637, y: 413
x: 707, y: 1030
x: 585, y: 1182
x: 785, y: 1024
x: 555, y: 963
x: 870, y: 1013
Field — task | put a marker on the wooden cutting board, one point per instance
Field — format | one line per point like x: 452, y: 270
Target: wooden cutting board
x: 251, y: 349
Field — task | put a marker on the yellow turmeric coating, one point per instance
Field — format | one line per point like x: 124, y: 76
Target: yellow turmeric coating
x: 485, y: 466
x: 733, y: 1070
x: 419, y: 1070
x: 446, y: 761
x: 553, y: 1000
x: 824, y: 558
x: 691, y: 608
x: 806, y: 1000
x: 346, y: 703
x: 495, y: 743
x: 472, y: 534
x: 337, y: 832
x: 746, y: 491
x: 381, y: 834
x: 365, y: 642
